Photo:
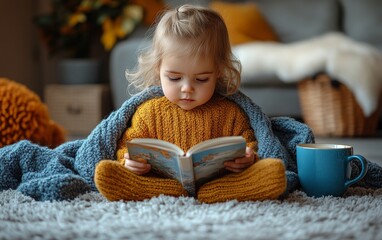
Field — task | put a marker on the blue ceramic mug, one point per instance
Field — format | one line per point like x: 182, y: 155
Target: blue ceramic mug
x: 324, y: 169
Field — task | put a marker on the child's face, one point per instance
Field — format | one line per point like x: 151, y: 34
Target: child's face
x: 188, y: 81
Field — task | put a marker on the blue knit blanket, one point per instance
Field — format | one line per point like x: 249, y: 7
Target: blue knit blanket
x: 68, y: 170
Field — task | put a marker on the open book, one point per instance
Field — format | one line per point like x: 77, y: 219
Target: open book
x: 202, y: 163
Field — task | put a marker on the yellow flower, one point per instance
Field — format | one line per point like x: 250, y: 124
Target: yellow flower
x: 121, y: 26
x: 76, y: 18
x: 134, y: 12
x: 84, y: 19
x: 108, y: 37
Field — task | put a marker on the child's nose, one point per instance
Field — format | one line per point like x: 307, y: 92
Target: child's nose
x: 187, y: 87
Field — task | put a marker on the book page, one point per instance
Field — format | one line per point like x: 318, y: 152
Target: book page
x: 157, y: 143
x: 209, y: 164
x: 215, y: 142
x: 163, y: 162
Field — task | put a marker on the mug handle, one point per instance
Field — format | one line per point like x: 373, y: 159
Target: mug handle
x: 364, y: 169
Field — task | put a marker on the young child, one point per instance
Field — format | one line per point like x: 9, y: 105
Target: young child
x: 191, y: 59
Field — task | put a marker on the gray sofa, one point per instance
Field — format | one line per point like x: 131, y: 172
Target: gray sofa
x: 292, y: 21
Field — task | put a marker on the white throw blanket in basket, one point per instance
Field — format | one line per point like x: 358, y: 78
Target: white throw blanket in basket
x: 355, y: 64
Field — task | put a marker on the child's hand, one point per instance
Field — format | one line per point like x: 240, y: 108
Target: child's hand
x: 240, y: 164
x: 138, y: 167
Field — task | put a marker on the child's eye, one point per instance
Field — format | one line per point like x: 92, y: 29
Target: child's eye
x: 202, y: 79
x: 171, y: 78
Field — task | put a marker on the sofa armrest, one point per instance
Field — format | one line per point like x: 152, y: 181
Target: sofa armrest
x: 124, y: 56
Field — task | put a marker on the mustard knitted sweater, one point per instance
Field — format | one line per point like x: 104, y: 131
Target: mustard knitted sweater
x: 161, y: 119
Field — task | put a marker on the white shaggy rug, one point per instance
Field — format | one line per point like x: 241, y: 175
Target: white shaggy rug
x: 358, y: 215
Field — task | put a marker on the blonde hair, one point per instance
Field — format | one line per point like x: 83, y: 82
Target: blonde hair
x: 195, y: 30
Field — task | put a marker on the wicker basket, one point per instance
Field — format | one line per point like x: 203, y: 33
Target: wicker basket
x: 330, y: 109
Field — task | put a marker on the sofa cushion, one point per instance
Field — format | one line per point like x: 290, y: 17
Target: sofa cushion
x: 295, y: 20
x: 362, y: 20
x: 245, y: 22
x: 177, y: 3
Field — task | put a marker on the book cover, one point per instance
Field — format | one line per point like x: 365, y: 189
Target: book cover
x: 202, y: 163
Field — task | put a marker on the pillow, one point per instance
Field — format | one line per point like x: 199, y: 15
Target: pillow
x: 23, y: 116
x: 244, y: 21
x: 151, y: 9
